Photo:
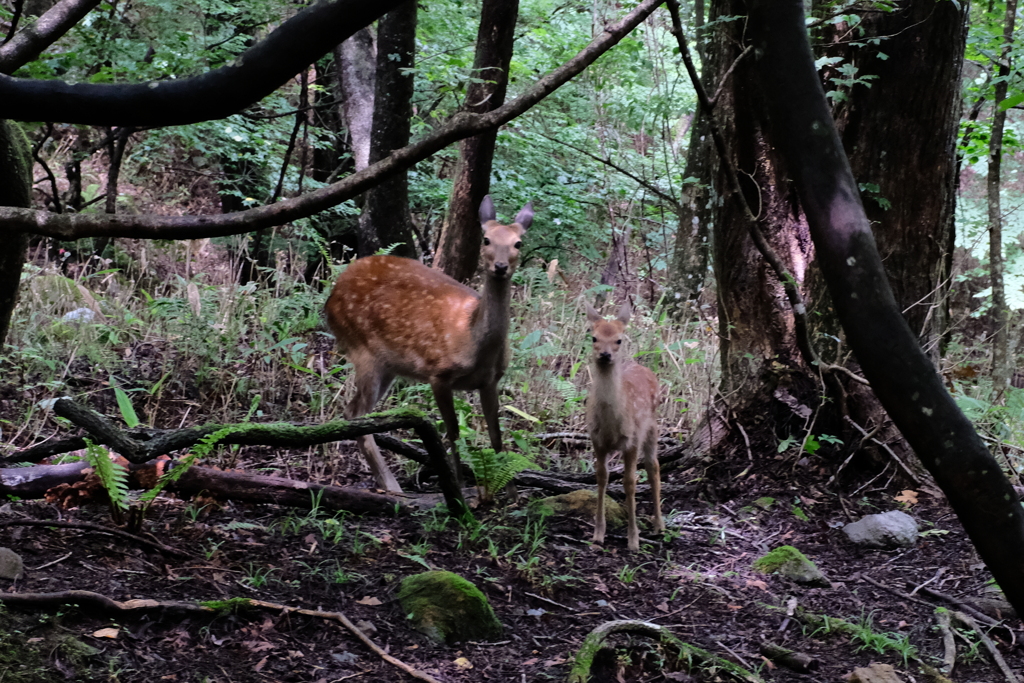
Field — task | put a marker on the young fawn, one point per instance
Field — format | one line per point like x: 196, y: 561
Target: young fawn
x: 621, y: 416
x: 397, y: 317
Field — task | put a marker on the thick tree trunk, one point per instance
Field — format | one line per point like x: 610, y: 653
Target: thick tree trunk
x: 899, y: 131
x: 15, y: 190
x: 903, y: 146
x: 386, y: 220
x: 900, y: 372
x: 459, y: 249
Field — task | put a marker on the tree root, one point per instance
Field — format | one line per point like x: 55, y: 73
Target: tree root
x: 688, y: 656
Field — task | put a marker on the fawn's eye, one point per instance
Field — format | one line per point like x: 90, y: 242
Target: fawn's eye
x: 618, y: 341
x: 593, y: 339
x: 486, y: 242
x: 518, y: 245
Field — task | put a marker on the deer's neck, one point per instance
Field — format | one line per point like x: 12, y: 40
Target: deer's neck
x: 607, y: 387
x: 491, y: 325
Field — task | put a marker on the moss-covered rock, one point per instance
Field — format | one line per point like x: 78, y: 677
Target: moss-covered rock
x: 447, y: 608
x: 580, y: 503
x: 793, y: 564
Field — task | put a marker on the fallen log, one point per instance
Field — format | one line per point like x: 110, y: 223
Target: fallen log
x: 39, y: 480
x: 103, y: 431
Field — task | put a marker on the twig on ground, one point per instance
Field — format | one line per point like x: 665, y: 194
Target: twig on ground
x: 943, y: 623
x: 341, y: 618
x: 969, y: 622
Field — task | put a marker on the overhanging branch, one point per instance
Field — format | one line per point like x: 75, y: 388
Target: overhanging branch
x: 462, y: 125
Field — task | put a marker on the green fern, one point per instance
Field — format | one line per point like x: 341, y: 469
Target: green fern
x: 202, y: 449
x: 113, y: 476
x: 495, y: 470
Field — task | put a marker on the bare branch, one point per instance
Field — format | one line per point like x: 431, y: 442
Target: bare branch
x: 462, y: 125
x: 29, y: 42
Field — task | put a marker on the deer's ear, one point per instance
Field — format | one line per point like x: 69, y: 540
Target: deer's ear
x: 486, y: 210
x: 623, y: 315
x: 592, y: 315
x: 525, y: 216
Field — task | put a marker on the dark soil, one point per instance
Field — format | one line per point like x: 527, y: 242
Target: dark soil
x: 548, y: 585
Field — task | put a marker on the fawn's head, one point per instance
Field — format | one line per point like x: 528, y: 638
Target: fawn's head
x: 607, y: 335
x: 501, y: 243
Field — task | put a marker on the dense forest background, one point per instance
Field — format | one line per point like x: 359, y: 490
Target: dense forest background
x: 679, y: 195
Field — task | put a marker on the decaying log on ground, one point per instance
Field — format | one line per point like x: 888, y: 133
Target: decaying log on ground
x: 689, y: 657
x: 102, y: 430
x: 36, y: 481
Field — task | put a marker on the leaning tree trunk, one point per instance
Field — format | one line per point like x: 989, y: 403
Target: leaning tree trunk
x: 459, y: 249
x: 900, y: 372
x: 386, y: 220
x: 15, y: 190
x: 897, y: 143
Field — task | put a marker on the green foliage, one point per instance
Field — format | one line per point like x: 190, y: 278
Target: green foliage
x: 494, y: 471
x: 113, y: 476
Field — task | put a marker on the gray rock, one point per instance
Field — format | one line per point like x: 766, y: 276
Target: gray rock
x: 891, y: 529
x: 80, y: 315
x: 11, y: 566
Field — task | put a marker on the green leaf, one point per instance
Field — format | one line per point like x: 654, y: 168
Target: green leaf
x: 124, y: 404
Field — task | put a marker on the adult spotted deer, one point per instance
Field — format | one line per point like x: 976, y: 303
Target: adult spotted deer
x: 622, y: 416
x: 397, y: 317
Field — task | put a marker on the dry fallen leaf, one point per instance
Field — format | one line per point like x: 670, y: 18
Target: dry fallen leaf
x: 368, y: 600
x: 106, y: 633
x: 907, y: 497
x: 463, y: 663
x: 758, y: 584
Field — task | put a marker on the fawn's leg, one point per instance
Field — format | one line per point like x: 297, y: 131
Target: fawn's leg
x: 371, y: 384
x: 654, y: 476
x: 489, y: 403
x: 601, y: 470
x: 629, y: 484
x: 446, y: 406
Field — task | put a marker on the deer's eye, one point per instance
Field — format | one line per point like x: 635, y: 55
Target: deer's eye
x: 518, y: 245
x: 487, y: 242
x: 618, y: 341
x: 593, y: 339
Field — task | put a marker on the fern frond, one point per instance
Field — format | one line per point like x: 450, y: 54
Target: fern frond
x: 202, y: 449
x: 113, y: 476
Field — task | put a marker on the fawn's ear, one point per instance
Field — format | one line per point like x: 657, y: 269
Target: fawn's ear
x: 525, y: 217
x: 623, y: 315
x: 486, y: 210
x: 592, y: 315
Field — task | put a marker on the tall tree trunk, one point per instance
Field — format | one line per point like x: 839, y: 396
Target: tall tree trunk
x: 898, y: 143
x: 15, y: 190
x: 386, y: 220
x: 459, y: 250
x: 1000, y: 314
x: 899, y: 131
x: 902, y: 375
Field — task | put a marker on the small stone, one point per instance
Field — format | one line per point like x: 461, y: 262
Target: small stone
x: 11, y: 566
x: 891, y: 529
x: 366, y: 627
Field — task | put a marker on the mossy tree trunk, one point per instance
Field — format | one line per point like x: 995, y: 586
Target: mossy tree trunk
x: 15, y: 190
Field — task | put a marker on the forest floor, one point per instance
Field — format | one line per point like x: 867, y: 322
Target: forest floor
x: 548, y: 584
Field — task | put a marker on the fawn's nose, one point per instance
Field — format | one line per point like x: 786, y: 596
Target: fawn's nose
x: 604, y: 357
x: 500, y: 268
